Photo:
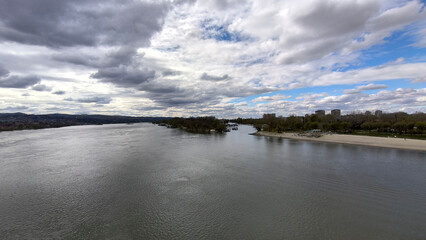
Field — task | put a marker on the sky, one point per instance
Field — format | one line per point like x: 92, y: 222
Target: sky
x: 223, y: 58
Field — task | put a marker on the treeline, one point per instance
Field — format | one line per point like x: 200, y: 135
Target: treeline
x: 197, y: 124
x: 21, y: 121
x: 400, y: 123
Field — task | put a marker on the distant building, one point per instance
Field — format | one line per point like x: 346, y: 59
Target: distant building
x: 378, y: 113
x: 336, y: 113
x: 320, y: 113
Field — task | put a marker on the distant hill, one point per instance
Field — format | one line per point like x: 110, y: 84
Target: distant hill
x: 20, y: 121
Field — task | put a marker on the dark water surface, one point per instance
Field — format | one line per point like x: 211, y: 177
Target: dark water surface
x: 148, y: 182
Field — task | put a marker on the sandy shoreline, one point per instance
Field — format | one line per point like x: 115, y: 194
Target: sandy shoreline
x: 398, y: 143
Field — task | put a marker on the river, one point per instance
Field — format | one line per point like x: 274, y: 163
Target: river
x: 143, y: 181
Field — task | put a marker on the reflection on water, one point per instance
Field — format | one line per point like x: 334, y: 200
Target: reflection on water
x: 145, y: 181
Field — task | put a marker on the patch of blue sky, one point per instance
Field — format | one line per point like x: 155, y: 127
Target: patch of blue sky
x: 402, y: 83
x: 335, y: 90
x: 424, y: 4
x: 219, y: 32
x: 398, y: 45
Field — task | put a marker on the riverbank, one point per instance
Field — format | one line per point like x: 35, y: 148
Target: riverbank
x: 22, y: 121
x: 398, y: 143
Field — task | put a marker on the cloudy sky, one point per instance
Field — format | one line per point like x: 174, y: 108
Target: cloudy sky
x: 226, y: 58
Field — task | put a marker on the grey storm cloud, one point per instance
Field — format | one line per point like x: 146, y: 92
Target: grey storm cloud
x: 170, y: 73
x: 367, y: 87
x: 419, y: 79
x: 124, y: 76
x: 80, y: 23
x: 167, y: 94
x: 59, y: 92
x: 352, y: 91
x: 148, y: 108
x: 14, y: 81
x: 119, y: 67
x: 122, y: 56
x: 372, y: 87
x: 71, y: 25
x: 3, y: 72
x: 160, y: 88
x: 98, y: 100
x: 173, y: 100
x: 326, y: 27
x: 14, y: 108
x: 330, y: 18
x: 78, y: 29
x: 225, y: 4
x: 41, y: 88
x: 208, y: 77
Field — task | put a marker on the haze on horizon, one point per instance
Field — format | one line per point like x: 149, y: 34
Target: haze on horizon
x: 227, y: 58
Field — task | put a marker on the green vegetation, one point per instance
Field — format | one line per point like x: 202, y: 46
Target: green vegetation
x: 197, y: 124
x: 21, y: 121
x: 398, y: 124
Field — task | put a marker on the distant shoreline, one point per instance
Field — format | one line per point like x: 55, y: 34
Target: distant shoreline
x: 22, y: 121
x: 397, y: 143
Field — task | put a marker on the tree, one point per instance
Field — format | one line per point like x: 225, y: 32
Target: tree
x: 367, y: 126
x: 420, y: 126
x: 298, y: 125
x: 258, y: 127
x: 335, y: 126
x: 314, y: 118
x: 345, y: 126
x: 271, y: 120
x: 400, y: 126
x: 313, y: 125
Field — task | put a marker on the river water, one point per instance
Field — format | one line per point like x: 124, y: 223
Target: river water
x: 142, y: 181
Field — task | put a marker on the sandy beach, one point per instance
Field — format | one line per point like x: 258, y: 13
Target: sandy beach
x: 399, y: 143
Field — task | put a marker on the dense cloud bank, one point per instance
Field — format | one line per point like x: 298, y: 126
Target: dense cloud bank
x: 224, y: 58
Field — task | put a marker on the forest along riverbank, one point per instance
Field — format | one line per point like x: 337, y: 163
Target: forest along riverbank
x: 398, y: 143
